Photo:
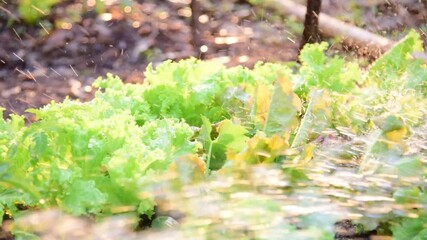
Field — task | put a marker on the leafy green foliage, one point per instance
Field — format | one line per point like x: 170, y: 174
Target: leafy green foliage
x: 411, y: 228
x: 33, y: 10
x: 398, y: 67
x: 72, y: 158
x: 230, y: 138
x: 82, y: 197
x: 321, y: 72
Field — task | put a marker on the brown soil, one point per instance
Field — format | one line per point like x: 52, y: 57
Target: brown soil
x: 63, y: 53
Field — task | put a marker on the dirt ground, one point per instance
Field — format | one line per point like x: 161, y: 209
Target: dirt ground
x: 63, y: 53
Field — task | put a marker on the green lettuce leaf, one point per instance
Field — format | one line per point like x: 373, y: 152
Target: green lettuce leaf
x: 321, y: 72
x: 411, y: 228
x: 398, y: 67
x: 231, y: 138
x: 83, y: 197
x: 33, y: 10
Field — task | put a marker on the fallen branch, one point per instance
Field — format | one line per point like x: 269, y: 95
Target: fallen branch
x: 331, y: 27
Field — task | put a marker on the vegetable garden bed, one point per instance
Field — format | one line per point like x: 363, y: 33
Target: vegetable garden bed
x: 277, y: 151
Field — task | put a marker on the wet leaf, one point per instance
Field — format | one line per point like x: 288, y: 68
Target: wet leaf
x: 316, y: 118
x: 33, y: 10
x: 283, y: 108
x: 262, y: 149
x: 83, y: 196
x: 231, y: 139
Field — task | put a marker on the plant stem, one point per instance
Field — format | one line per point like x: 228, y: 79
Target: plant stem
x: 208, y: 161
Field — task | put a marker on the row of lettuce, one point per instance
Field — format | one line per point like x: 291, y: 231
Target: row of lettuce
x: 192, y: 117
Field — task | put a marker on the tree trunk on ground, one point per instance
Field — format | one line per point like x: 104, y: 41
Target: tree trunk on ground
x: 196, y: 30
x: 311, y: 32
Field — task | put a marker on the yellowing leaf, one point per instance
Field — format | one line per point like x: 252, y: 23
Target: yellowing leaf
x: 396, y: 135
x: 276, y: 110
x: 306, y: 155
x: 261, y: 149
x: 276, y: 143
x: 262, y: 103
x: 286, y: 85
x: 188, y: 167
